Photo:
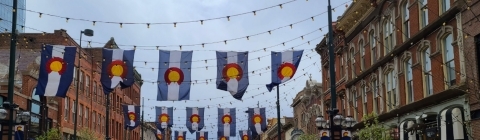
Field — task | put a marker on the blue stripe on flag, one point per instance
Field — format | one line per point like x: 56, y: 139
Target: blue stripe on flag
x: 277, y: 57
x: 127, y: 58
x: 159, y: 112
x: 242, y: 61
x: 221, y: 126
x: 185, y: 66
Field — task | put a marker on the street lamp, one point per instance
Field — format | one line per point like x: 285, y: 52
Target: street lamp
x: 22, y: 116
x: 349, y: 122
x: 87, y: 32
x: 321, y: 123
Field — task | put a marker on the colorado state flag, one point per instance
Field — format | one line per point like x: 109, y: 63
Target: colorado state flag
x: 117, y: 68
x: 284, y: 66
x: 221, y: 137
x: 202, y: 135
x: 174, y: 75
x: 245, y: 135
x: 160, y: 134
x: 56, y: 70
x: 131, y: 115
x: 19, y: 132
x: 257, y: 122
x: 195, y: 121
x: 232, y: 72
x: 226, y: 122
x: 164, y: 117
x: 180, y: 135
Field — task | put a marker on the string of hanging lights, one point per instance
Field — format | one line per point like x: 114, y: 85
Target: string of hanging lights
x: 148, y: 24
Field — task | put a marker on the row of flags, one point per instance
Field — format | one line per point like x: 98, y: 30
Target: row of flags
x: 202, y: 135
x: 57, y: 68
x: 195, y: 120
x: 174, y: 75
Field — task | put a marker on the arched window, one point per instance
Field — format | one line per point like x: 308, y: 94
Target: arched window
x: 449, y: 59
x: 373, y: 46
x: 427, y: 72
x: 388, y: 35
x: 362, y: 53
x: 423, y: 13
x: 406, y: 21
x: 444, y: 6
x: 352, y: 60
x: 390, y: 85
x: 409, y: 80
x: 365, y: 99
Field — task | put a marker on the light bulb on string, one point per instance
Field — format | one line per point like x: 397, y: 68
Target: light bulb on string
x: 203, y: 45
x: 93, y: 23
x: 248, y: 38
x: 180, y: 47
x: 148, y: 25
x: 280, y: 6
x: 313, y: 19
x: 225, y: 42
x: 270, y: 32
x: 302, y: 37
x: 228, y: 18
x: 158, y: 47
x: 291, y: 26
x: 201, y: 22
x: 254, y: 13
x: 40, y: 15
x: 283, y: 43
x: 67, y: 19
x: 134, y: 47
x: 308, y: 42
x: 121, y: 25
x: 174, y: 24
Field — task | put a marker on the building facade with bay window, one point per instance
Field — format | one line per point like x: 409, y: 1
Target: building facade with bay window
x: 55, y: 112
x: 404, y: 60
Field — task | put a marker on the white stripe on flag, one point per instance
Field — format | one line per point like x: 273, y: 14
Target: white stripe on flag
x: 232, y: 84
x: 180, y: 133
x: 195, y: 125
x: 258, y: 126
x: 54, y: 77
x: 131, y: 108
x: 165, y: 111
x: 202, y: 134
x: 117, y: 54
x: 226, y: 126
x: 287, y: 57
x: 173, y: 87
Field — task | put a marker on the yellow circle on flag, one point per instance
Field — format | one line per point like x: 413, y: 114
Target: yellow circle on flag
x: 56, y: 66
x: 180, y: 138
x: 232, y: 72
x: 245, y: 137
x: 195, y: 119
x: 164, y: 118
x: 287, y: 71
x: 174, y: 76
x: 257, y: 119
x: 223, y: 138
x: 117, y: 70
x: 226, y: 119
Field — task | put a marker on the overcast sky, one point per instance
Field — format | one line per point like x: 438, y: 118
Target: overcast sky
x: 169, y: 11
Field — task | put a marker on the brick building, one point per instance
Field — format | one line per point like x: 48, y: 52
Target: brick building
x: 405, y: 61
x: 59, y: 112
x: 307, y: 105
x: 272, y: 131
x: 471, y: 44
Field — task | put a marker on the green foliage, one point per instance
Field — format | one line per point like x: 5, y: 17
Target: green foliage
x: 308, y: 137
x: 373, y: 130
x: 87, y: 134
x: 51, y: 134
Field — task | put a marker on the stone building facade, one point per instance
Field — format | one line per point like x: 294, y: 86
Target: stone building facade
x: 59, y: 112
x: 307, y: 105
x: 405, y: 61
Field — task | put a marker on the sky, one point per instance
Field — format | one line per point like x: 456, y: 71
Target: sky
x: 170, y: 11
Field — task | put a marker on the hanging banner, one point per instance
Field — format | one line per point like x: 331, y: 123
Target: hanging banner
x: 202, y: 135
x: 56, y: 70
x: 174, y: 75
x: 324, y: 135
x: 132, y: 116
x: 160, y: 134
x: 180, y: 135
x: 284, y: 66
x: 232, y: 72
x: 195, y: 121
x: 226, y: 122
x: 19, y: 132
x: 245, y: 135
x: 346, y: 135
x: 117, y: 69
x: 164, y: 117
x: 257, y: 121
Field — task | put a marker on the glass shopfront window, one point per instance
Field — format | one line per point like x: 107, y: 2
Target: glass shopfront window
x: 35, y: 108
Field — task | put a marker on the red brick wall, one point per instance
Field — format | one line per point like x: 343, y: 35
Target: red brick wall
x: 119, y: 97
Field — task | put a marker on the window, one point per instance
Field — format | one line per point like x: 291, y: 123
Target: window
x: 86, y: 116
x: 409, y: 80
x: 80, y: 115
x: 449, y: 60
x: 66, y: 113
x: 391, y: 93
x: 81, y: 86
x: 73, y: 111
x: 427, y: 72
x: 74, y: 76
x: 94, y: 91
x: 406, y: 21
x: 35, y: 114
x: 362, y: 49
x: 376, y: 96
x: 94, y: 125
x: 355, y: 104
x: 373, y: 42
x: 444, y: 6
x: 364, y: 94
x: 352, y: 60
x: 388, y: 35
x: 423, y: 13
x: 87, y: 86
x: 341, y: 67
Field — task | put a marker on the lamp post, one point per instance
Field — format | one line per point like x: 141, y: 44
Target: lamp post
x: 87, y: 32
x: 339, y: 122
x: 22, y: 116
x: 11, y: 69
x: 333, y: 95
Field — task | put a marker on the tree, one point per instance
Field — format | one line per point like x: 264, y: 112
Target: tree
x: 51, y: 134
x: 87, y: 134
x: 308, y: 137
x: 373, y: 130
